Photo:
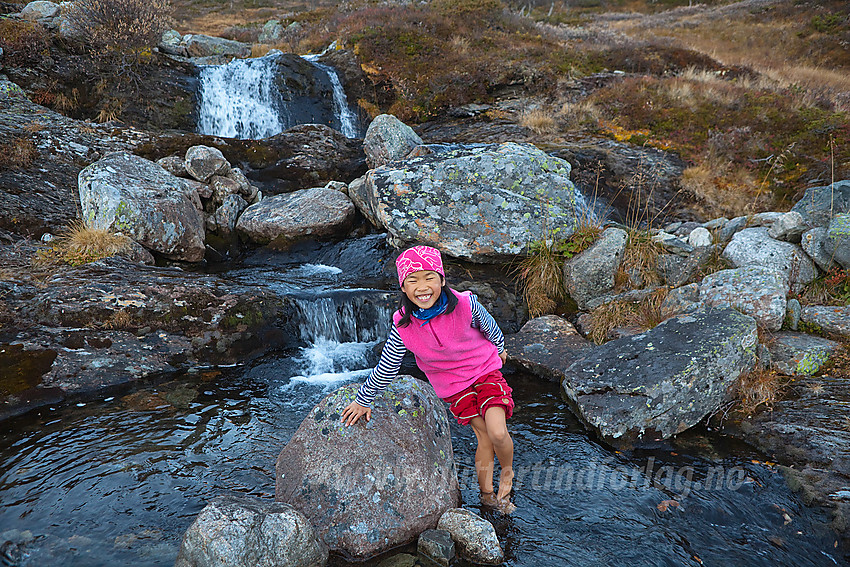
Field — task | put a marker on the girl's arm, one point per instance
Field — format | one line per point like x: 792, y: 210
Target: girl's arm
x: 381, y: 376
x: 483, y: 321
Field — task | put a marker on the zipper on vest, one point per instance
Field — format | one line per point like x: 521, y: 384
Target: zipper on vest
x: 439, y: 342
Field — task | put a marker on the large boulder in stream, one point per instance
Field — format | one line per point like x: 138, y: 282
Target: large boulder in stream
x: 484, y: 204
x: 377, y: 485
x: 129, y: 194
x: 239, y: 531
x: 312, y: 212
x: 545, y: 345
x: 661, y: 382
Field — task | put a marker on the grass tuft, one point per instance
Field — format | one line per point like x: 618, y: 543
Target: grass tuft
x: 80, y: 245
x: 539, y: 120
x: 643, y: 315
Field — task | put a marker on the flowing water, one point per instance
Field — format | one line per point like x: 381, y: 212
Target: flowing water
x: 242, y: 99
x: 117, y: 480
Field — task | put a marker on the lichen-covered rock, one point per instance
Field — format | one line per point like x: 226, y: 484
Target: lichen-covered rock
x: 40, y: 10
x: 754, y: 247
x: 789, y: 227
x: 838, y: 240
x: 202, y: 162
x: 661, y: 382
x: 378, y: 484
x: 313, y: 212
x: 814, y: 243
x: 754, y: 290
x: 475, y: 537
x: 129, y: 194
x: 820, y: 204
x: 591, y: 274
x: 436, y: 545
x: 482, y: 204
x: 544, y: 346
x: 699, y: 237
x: 795, y: 354
x: 388, y: 139
x: 175, y: 165
x: 226, y: 216
x: 828, y: 318
x: 681, y: 300
x: 240, y: 531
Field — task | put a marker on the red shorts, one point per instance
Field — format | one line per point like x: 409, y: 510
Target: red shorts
x: 489, y: 390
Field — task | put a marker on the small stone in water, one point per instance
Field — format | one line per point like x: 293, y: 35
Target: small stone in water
x: 81, y: 404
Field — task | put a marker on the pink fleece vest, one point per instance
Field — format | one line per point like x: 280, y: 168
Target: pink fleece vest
x: 450, y: 352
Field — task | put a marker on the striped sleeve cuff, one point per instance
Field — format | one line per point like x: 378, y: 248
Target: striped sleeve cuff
x: 386, y: 370
x: 482, y: 320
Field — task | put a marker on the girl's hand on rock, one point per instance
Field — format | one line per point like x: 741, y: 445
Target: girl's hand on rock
x: 504, y: 356
x: 354, y: 412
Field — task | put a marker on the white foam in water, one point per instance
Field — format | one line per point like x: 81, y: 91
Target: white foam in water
x: 320, y: 269
x: 327, y: 362
x: 347, y: 119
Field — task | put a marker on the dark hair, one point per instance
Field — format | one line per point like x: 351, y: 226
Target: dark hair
x: 406, y: 307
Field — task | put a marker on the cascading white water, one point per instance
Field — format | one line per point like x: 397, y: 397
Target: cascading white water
x: 347, y: 119
x: 240, y: 99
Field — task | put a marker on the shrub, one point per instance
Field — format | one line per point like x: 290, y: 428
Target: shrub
x: 120, y: 26
x: 833, y: 288
x: 24, y: 44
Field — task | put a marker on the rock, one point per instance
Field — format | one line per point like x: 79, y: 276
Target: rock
x: 681, y: 300
x: 484, y: 204
x: 545, y: 345
x: 793, y: 309
x: 815, y: 244
x: 820, y: 204
x: 789, y: 227
x: 766, y: 219
x: 661, y: 382
x: 272, y: 32
x: 699, y: 237
x: 731, y: 228
x: 677, y: 246
x: 222, y: 187
x: 838, y: 240
x: 754, y: 290
x: 631, y: 295
x: 388, y: 139
x: 129, y: 194
x: 40, y: 10
x: 337, y: 186
x: 753, y: 247
x: 677, y: 270
x: 175, y: 165
x: 227, y: 215
x: 475, y: 537
x: 375, y: 485
x: 714, y: 224
x: 171, y: 42
x: 795, y: 354
x: 360, y: 196
x: 436, y: 545
x: 135, y: 252
x: 313, y: 212
x: 198, y: 45
x: 399, y: 560
x: 591, y: 274
x: 828, y: 318
x: 202, y: 162
x: 240, y: 531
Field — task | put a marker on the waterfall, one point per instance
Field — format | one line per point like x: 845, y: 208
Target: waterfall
x: 347, y: 119
x: 340, y: 332
x: 241, y: 99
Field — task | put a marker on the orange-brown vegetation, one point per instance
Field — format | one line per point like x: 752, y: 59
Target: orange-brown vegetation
x: 18, y: 153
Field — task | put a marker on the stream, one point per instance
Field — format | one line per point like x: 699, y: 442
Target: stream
x: 118, y: 479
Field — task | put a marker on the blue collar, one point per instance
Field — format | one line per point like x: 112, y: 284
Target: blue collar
x: 426, y: 315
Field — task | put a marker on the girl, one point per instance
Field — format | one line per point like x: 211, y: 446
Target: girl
x: 459, y: 347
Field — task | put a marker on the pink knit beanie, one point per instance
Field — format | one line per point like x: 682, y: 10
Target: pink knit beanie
x: 416, y: 259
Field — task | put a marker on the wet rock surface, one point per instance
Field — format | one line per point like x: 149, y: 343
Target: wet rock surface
x: 402, y: 460
x: 545, y: 346
x: 663, y: 381
x: 239, y: 531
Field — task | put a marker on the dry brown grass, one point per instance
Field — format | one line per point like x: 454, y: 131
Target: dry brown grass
x: 111, y: 110
x: 757, y: 388
x: 19, y: 153
x: 79, y: 245
x: 120, y: 320
x: 579, y: 114
x: 640, y: 261
x: 642, y: 315
x: 539, y: 120
x: 722, y: 189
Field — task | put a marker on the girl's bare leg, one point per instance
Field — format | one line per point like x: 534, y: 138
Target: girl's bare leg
x: 484, y: 461
x: 503, y: 446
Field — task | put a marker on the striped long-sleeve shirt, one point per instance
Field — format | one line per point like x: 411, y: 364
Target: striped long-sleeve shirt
x: 394, y: 350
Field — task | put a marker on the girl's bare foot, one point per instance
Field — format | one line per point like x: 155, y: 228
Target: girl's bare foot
x: 489, y: 499
x: 506, y: 483
x: 506, y: 506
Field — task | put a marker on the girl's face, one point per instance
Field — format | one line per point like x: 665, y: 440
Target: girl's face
x: 423, y: 288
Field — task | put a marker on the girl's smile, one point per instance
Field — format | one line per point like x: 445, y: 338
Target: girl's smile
x: 423, y: 288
